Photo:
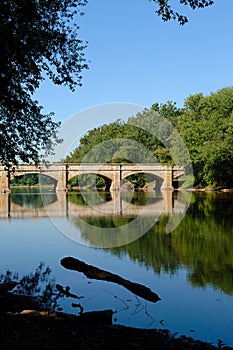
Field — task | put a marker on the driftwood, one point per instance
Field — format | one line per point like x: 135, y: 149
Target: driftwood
x: 98, y: 274
x: 66, y: 291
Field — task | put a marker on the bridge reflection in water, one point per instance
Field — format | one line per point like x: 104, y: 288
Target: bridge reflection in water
x: 117, y: 204
x: 88, y: 218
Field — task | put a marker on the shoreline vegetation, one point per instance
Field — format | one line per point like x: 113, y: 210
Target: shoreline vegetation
x: 30, y: 321
x: 204, y: 146
x: 32, y: 329
x: 25, y: 326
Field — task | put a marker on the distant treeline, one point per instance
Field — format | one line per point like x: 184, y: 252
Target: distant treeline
x: 204, y: 123
x: 32, y: 180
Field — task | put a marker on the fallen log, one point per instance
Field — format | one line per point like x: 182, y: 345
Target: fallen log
x: 93, y: 272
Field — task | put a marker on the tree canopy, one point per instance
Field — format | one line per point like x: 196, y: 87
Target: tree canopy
x: 205, y: 124
x: 37, y: 37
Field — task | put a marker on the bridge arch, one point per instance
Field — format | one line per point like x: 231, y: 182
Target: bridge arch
x: 157, y: 177
x: 84, y: 182
x: 54, y: 180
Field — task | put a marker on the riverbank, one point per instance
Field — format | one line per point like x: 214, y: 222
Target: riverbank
x: 44, y: 330
x: 212, y: 189
x: 25, y: 326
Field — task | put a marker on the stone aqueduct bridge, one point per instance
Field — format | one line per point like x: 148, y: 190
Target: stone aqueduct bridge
x: 114, y: 173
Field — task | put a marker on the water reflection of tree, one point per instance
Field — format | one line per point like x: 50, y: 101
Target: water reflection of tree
x: 32, y: 198
x: 93, y: 197
x: 152, y: 250
x: 105, y: 221
x: 207, y: 249
x: 202, y: 243
x: 38, y: 285
x: 97, y: 197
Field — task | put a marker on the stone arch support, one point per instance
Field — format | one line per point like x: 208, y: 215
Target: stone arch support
x: 4, y: 179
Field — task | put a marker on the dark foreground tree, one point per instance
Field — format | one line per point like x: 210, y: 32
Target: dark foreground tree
x: 37, y: 37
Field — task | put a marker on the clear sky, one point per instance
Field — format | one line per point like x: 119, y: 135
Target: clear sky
x: 137, y: 58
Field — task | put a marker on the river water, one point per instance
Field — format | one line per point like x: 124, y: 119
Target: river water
x: 180, y: 245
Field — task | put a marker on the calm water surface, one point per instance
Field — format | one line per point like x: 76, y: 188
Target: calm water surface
x: 190, y: 268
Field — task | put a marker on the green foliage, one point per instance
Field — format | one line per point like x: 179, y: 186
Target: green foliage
x: 32, y: 180
x: 117, y: 142
x: 137, y: 180
x: 114, y: 142
x: 37, y: 38
x: 145, y: 138
x: 201, y: 131
x: 206, y: 126
x: 87, y: 181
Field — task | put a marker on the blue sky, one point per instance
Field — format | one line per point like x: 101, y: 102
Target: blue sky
x: 137, y: 58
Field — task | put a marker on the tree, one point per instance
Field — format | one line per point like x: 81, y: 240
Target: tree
x: 37, y: 37
x: 206, y: 126
x: 198, y: 136
x: 167, y: 12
